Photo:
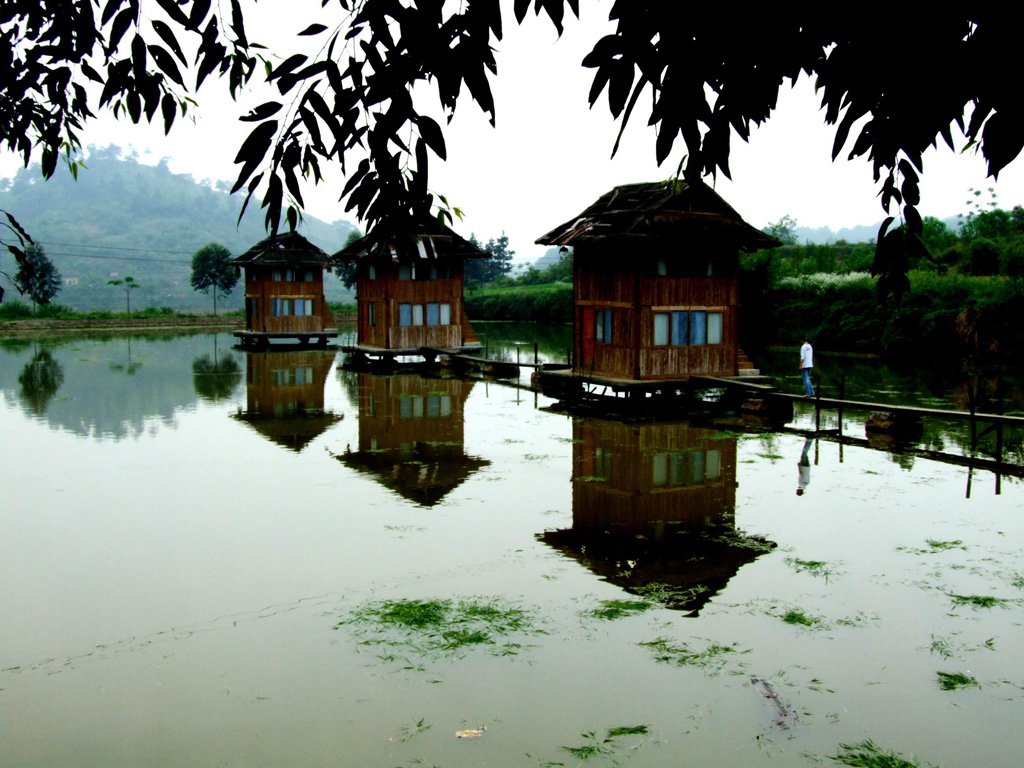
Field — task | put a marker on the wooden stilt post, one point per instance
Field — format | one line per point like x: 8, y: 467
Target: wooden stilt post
x: 536, y: 359
x: 999, y: 437
x: 842, y: 396
x: 974, y: 424
x: 817, y: 407
x: 999, y: 457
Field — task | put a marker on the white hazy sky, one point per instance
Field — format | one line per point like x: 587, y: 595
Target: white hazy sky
x: 549, y: 156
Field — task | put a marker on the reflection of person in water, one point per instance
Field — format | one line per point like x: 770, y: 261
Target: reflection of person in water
x: 804, y: 469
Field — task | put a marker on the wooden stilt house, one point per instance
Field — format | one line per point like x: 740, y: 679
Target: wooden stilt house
x: 655, y: 282
x: 655, y: 504
x: 409, y: 291
x: 284, y: 292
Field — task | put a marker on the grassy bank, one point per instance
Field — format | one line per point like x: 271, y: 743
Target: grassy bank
x: 550, y: 303
x: 942, y: 316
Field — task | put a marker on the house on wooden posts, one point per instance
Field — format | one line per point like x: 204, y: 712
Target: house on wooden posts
x: 654, y: 504
x: 411, y: 434
x: 409, y: 291
x: 284, y: 395
x: 655, y: 283
x: 284, y: 292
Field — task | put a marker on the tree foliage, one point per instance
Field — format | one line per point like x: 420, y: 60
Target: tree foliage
x: 37, y: 277
x: 891, y: 88
x: 127, y: 285
x: 212, y: 269
x: 499, y: 263
x: 347, y: 273
x: 784, y: 230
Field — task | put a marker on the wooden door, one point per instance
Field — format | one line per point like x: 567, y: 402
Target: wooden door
x: 587, y: 338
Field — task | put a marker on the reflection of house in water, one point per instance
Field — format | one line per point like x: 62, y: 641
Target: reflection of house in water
x: 411, y: 434
x: 653, y: 509
x: 285, y: 395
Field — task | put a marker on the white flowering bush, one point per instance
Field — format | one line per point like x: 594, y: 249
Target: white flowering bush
x: 820, y: 282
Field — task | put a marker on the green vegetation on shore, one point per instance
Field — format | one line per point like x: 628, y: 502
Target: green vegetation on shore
x: 18, y: 310
x: 550, y: 303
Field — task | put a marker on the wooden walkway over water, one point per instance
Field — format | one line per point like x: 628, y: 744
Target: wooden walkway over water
x: 900, y: 424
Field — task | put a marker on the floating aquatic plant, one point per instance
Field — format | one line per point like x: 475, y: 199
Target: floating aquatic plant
x: 609, y: 610
x: 713, y: 659
x: 933, y: 546
x: 978, y: 601
x: 439, y: 627
x: 801, y: 618
x: 596, y: 746
x: 819, y: 568
x: 954, y: 681
x: 867, y: 754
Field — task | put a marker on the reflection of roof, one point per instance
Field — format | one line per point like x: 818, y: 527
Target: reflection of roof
x: 293, y: 431
x: 289, y: 248
x: 677, y: 564
x: 425, y: 474
x: 427, y: 241
x: 658, y: 210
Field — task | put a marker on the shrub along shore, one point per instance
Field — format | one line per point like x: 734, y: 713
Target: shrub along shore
x: 941, y: 317
x: 18, y: 318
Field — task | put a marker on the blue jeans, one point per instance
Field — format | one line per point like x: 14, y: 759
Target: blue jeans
x: 807, y: 381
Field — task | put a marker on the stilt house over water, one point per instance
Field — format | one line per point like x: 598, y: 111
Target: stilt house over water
x: 409, y: 292
x: 655, y: 282
x: 284, y: 292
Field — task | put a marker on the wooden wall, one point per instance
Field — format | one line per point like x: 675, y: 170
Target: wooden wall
x: 633, y: 291
x: 387, y: 291
x: 261, y: 287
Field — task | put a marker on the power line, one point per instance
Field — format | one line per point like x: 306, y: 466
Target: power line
x: 118, y: 258
x: 113, y: 248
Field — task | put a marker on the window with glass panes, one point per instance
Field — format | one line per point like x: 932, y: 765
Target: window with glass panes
x: 680, y: 328
x: 603, y: 326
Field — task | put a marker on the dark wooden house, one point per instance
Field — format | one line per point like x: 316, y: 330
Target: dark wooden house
x: 655, y: 504
x: 411, y: 434
x: 284, y: 292
x: 284, y: 395
x: 655, y: 282
x: 409, y: 292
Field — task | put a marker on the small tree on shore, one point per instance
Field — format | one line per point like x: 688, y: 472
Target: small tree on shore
x: 127, y: 285
x: 37, y: 277
x: 212, y: 269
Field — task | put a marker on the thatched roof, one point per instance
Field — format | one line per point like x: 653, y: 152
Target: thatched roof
x: 426, y: 241
x: 287, y: 249
x: 659, y: 211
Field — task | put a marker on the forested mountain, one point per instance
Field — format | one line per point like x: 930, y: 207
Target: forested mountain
x: 862, y: 233
x: 122, y: 217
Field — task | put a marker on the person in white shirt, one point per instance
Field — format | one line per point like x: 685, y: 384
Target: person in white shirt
x: 806, y: 364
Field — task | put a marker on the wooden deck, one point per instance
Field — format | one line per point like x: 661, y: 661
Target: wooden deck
x: 364, y: 353
x: 262, y: 339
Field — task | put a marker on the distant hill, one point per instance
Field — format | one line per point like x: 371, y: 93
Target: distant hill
x: 125, y: 218
x: 860, y: 234
x: 551, y: 256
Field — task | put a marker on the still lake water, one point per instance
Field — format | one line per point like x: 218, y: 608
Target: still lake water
x: 214, y: 558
